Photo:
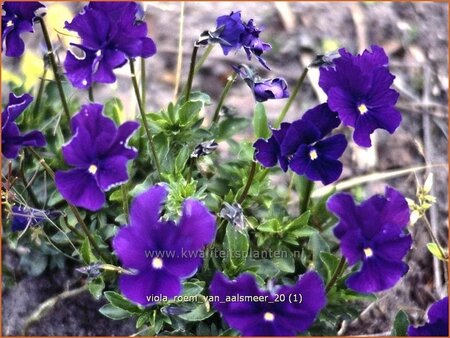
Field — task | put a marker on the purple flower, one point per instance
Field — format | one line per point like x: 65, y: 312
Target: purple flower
x: 358, y: 89
x: 373, y: 233
x: 263, y: 316
x: 252, y: 44
x: 437, y: 321
x: 17, y: 18
x: 12, y: 139
x: 268, y: 152
x: 99, y: 152
x: 24, y: 216
x: 231, y: 27
x: 160, y: 253
x: 109, y: 35
x: 270, y: 89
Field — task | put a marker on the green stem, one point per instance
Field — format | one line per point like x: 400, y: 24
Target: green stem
x: 51, y: 55
x: 250, y: 178
x: 143, y: 83
x: 224, y: 94
x: 37, y: 102
x: 433, y: 237
x: 125, y: 199
x: 191, y: 73
x: 203, y: 58
x: 74, y: 209
x: 91, y: 93
x: 291, y: 98
x: 337, y: 273
x: 25, y: 182
x: 191, y: 169
x: 144, y: 119
x: 304, y: 200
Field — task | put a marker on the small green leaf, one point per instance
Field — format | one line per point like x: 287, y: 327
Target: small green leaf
x: 284, y: 260
x: 199, y: 313
x: 120, y: 302
x: 193, y: 289
x: 271, y: 226
x: 306, y: 231
x: 434, y: 249
x: 331, y: 262
x: 86, y: 252
x: 113, y: 312
x: 299, y: 222
x: 96, y: 287
x: 260, y: 125
x: 237, y: 246
x: 401, y: 324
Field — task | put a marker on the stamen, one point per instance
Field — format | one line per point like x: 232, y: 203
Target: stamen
x: 269, y: 317
x: 157, y: 263
x: 368, y: 252
x: 313, y: 155
x: 362, y: 109
x: 9, y: 23
x: 93, y: 169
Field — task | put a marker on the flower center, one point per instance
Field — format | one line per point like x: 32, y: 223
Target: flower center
x: 9, y: 23
x: 368, y: 252
x: 269, y: 317
x: 313, y: 154
x: 157, y: 263
x: 93, y: 169
x: 362, y: 109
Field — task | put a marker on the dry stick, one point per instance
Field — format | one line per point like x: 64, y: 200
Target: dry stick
x: 180, y: 53
x: 72, y: 207
x: 51, y: 55
x: 144, y: 119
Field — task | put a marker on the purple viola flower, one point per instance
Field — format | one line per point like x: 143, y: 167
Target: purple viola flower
x: 268, y: 152
x: 437, y: 324
x: 160, y: 253
x: 252, y: 44
x: 270, y: 89
x: 373, y: 233
x: 268, y: 317
x: 359, y: 90
x: 17, y: 18
x: 311, y: 153
x: 231, y: 28
x: 100, y: 153
x: 110, y: 33
x: 12, y: 139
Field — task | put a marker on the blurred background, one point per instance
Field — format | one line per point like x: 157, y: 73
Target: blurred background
x: 415, y: 36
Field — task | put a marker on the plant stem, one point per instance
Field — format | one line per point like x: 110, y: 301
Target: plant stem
x: 143, y: 83
x: 433, y: 237
x: 203, y: 58
x: 291, y: 98
x: 25, y: 182
x: 250, y: 178
x: 191, y: 169
x: 180, y: 52
x: 191, y: 73
x: 337, y: 273
x: 144, y: 119
x: 224, y: 94
x: 51, y: 55
x: 304, y: 201
x: 37, y: 103
x: 125, y: 199
x: 74, y: 209
x: 91, y: 94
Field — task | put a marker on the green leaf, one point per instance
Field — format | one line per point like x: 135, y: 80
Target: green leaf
x: 113, y: 312
x: 237, y: 246
x: 284, y: 260
x: 331, y: 262
x: 193, y: 289
x: 199, y: 313
x: 86, y: 252
x: 260, y: 125
x: 114, y: 109
x: 299, y: 222
x: 306, y: 231
x: 120, y: 302
x: 434, y: 249
x: 189, y: 111
x: 182, y: 158
x: 271, y: 226
x: 401, y: 323
x: 96, y: 287
x: 229, y: 127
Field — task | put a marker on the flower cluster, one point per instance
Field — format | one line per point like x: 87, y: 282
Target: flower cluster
x: 110, y: 33
x: 17, y: 18
x: 276, y: 315
x: 12, y: 139
x: 373, y: 233
x: 358, y: 89
x: 160, y: 253
x: 99, y: 152
x: 236, y: 34
x: 304, y: 147
x: 437, y: 321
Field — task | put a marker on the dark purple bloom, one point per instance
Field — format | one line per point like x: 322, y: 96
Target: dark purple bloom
x: 12, y: 139
x: 24, y: 216
x: 373, y: 233
x: 270, y: 89
x: 99, y: 152
x: 17, y: 18
x: 252, y: 44
x: 437, y: 321
x: 110, y: 33
x: 268, y: 317
x: 268, y: 152
x: 160, y: 253
x: 232, y: 28
x: 358, y: 89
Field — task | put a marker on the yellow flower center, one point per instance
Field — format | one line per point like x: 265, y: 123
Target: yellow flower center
x: 269, y: 317
x: 9, y: 23
x: 157, y: 263
x: 362, y: 109
x: 93, y: 169
x: 313, y: 155
x: 368, y: 252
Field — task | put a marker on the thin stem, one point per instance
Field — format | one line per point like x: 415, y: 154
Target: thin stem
x: 91, y: 93
x: 224, y: 94
x: 25, y: 182
x: 143, y: 83
x: 433, y: 237
x: 191, y: 169
x: 307, y: 195
x: 191, y: 73
x: 180, y: 52
x: 51, y: 55
x: 203, y: 58
x: 125, y: 199
x: 291, y: 184
x: 337, y: 273
x: 74, y: 209
x: 144, y: 119
x: 37, y: 103
x: 250, y: 178
x: 291, y: 98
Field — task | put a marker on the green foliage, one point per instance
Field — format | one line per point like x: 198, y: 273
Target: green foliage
x: 401, y: 323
